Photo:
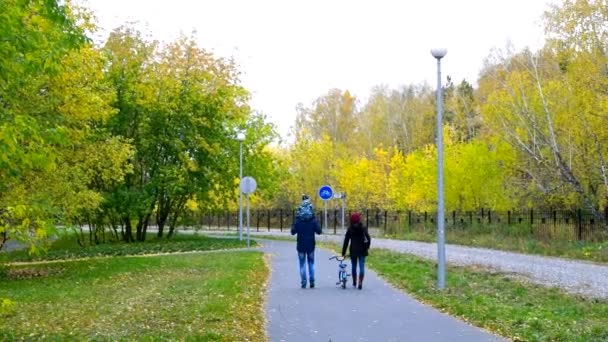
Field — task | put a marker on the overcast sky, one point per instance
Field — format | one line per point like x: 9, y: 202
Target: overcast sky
x: 295, y: 51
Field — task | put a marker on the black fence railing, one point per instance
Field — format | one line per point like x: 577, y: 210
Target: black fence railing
x: 574, y: 224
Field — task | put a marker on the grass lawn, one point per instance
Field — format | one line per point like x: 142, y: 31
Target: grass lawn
x: 215, y: 296
x: 66, y: 247
x: 512, y: 308
x: 209, y: 297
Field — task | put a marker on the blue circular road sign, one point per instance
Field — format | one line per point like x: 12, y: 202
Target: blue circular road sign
x: 325, y: 192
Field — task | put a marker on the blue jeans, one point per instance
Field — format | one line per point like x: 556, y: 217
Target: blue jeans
x: 304, y: 257
x: 361, y: 262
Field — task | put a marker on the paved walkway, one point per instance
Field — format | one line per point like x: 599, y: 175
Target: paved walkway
x: 378, y: 312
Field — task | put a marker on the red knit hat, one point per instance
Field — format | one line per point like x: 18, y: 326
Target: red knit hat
x: 355, y: 218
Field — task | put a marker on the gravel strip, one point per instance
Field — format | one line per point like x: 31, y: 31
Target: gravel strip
x: 11, y: 246
x: 575, y: 277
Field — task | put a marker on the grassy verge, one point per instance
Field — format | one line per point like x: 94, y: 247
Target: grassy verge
x: 66, y: 247
x: 209, y: 297
x: 509, y: 307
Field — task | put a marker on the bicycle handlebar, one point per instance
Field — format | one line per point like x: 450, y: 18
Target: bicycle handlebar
x: 339, y: 258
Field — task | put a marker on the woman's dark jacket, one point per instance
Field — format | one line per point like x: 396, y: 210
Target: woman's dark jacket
x: 357, y: 235
x: 306, y: 234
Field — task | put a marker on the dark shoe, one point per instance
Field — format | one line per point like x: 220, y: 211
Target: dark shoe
x: 354, y: 283
x: 303, y: 285
x: 312, y: 285
x: 359, y: 287
x: 360, y: 282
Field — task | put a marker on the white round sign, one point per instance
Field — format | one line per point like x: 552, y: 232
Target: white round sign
x: 248, y: 185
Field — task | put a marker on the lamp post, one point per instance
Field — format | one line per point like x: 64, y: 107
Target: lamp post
x: 240, y: 137
x: 439, y: 54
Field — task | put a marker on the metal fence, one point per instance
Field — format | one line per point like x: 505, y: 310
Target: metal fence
x: 574, y: 224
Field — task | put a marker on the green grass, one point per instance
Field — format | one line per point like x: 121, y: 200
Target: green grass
x: 66, y: 247
x: 201, y: 296
x: 509, y: 307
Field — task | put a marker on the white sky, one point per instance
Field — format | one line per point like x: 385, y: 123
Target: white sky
x: 293, y: 51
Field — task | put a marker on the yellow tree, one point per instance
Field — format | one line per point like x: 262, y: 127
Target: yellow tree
x: 313, y: 163
x: 365, y: 181
x: 331, y: 115
x: 379, y: 175
x: 413, y: 179
x: 401, y: 117
x: 461, y: 111
x: 578, y: 35
x: 478, y: 174
x: 530, y: 101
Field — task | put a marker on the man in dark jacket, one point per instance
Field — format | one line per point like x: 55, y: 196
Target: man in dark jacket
x: 306, y: 226
x: 359, y: 239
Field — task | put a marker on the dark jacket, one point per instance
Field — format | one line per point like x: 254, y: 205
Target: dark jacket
x: 306, y: 234
x: 357, y: 235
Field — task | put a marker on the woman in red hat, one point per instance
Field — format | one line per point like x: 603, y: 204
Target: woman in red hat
x: 359, y: 239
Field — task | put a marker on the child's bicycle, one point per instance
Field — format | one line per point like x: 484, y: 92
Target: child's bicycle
x: 342, y: 274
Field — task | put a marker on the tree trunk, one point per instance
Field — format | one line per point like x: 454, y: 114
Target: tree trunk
x: 114, y: 229
x: 138, y: 230
x: 176, y: 214
x: 162, y: 216
x: 141, y: 236
x: 172, y: 225
x: 80, y: 237
x: 3, y: 238
x: 128, y: 236
x: 142, y: 225
x: 96, y: 234
x: 90, y: 224
x: 145, y: 225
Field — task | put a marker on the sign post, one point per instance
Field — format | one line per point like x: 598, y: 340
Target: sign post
x: 341, y: 195
x: 248, y: 186
x: 325, y: 193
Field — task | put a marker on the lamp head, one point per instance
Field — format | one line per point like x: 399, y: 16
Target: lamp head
x: 240, y: 137
x: 439, y: 53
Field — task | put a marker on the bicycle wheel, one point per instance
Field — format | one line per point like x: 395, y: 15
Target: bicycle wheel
x: 344, y: 282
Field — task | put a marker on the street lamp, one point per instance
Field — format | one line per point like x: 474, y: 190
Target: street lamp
x: 240, y: 137
x: 439, y: 54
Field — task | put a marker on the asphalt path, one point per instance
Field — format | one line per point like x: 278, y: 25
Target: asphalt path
x: 378, y: 312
